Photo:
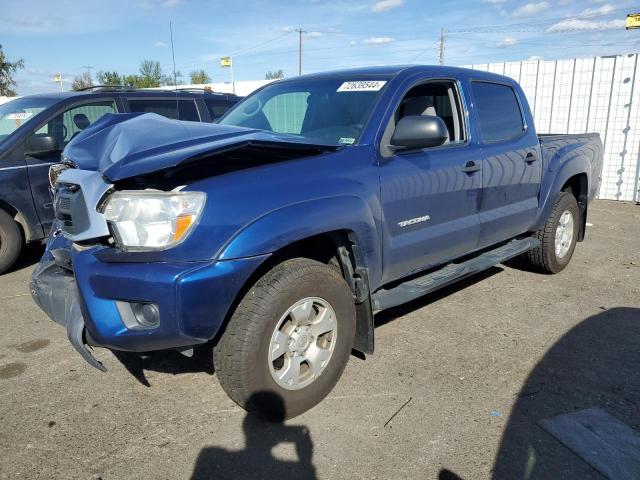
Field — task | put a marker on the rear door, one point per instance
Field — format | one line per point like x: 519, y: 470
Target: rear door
x: 63, y: 126
x: 430, y: 196
x: 512, y: 166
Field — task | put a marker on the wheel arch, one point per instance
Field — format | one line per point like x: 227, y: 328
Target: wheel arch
x: 572, y: 174
x: 352, y: 250
x: 578, y: 186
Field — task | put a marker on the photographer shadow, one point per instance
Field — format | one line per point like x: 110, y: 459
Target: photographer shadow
x: 594, y: 365
x: 256, y: 460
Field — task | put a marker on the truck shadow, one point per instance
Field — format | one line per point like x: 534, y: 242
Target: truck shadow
x: 394, y: 313
x: 595, y: 364
x: 256, y: 460
x: 167, y: 361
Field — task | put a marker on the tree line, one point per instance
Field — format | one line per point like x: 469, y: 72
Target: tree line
x: 150, y: 74
x: 7, y: 70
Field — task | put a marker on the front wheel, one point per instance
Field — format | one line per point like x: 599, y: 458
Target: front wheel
x: 10, y: 241
x: 558, y: 237
x: 288, y: 341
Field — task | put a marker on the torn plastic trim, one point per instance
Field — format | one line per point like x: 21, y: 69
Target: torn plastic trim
x: 54, y: 290
x: 76, y: 334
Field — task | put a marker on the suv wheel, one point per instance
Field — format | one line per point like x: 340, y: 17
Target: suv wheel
x: 10, y: 241
x: 289, y: 338
x: 558, y: 237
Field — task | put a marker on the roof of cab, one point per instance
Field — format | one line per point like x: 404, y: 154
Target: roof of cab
x: 402, y: 70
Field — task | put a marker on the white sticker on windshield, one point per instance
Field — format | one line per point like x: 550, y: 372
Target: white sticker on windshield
x: 347, y: 140
x: 362, y: 86
x: 18, y: 116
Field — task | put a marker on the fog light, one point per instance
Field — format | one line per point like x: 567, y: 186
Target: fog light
x: 138, y: 315
x: 147, y: 314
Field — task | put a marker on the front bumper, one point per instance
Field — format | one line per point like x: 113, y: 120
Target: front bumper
x: 193, y: 298
x: 54, y: 290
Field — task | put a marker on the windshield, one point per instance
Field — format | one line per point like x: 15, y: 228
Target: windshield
x: 325, y: 111
x: 17, y: 112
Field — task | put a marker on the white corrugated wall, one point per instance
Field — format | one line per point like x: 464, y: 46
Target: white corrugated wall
x: 578, y: 95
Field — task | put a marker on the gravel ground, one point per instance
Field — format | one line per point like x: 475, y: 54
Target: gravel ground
x: 467, y: 372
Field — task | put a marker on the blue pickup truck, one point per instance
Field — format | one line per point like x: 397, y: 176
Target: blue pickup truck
x: 314, y: 203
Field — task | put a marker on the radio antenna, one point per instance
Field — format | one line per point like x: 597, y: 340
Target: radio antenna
x: 173, y: 56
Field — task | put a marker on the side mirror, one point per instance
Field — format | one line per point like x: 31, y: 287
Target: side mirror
x: 40, y: 145
x: 419, y: 131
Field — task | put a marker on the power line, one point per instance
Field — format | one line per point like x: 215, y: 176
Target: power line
x: 524, y: 27
x: 507, y: 28
x: 267, y: 42
x: 504, y: 27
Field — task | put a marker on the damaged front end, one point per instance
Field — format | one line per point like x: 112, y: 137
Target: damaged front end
x: 144, y: 292
x: 53, y: 288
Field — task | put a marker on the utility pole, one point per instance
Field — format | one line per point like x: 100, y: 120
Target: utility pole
x: 442, y: 46
x: 88, y: 68
x: 300, y: 32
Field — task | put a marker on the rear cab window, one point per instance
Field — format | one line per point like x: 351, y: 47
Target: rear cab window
x: 171, y: 108
x: 499, y: 113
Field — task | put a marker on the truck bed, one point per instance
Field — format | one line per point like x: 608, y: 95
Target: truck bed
x: 558, y: 148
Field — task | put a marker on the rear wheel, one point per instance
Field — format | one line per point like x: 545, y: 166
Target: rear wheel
x: 288, y: 340
x: 10, y: 241
x: 558, y: 237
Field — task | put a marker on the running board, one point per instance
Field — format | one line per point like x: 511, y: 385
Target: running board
x: 417, y: 287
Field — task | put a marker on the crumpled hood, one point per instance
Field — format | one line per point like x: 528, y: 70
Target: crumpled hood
x: 122, y: 146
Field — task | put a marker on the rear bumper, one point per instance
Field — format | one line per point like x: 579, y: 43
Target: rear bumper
x: 193, y: 298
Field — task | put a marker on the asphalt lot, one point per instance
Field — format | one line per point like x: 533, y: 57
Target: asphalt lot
x: 479, y: 365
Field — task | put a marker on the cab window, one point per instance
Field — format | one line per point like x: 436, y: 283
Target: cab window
x: 68, y: 124
x: 217, y: 108
x: 499, y: 113
x: 170, y: 108
x: 439, y: 99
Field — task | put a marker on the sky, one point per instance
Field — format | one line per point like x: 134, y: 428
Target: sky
x: 66, y: 37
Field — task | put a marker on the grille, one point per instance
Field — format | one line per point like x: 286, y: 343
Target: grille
x: 64, y: 203
x: 70, y: 209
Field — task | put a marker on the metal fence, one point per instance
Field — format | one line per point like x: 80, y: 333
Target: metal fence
x: 600, y: 94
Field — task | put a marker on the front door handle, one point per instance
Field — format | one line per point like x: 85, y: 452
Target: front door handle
x: 531, y: 157
x: 471, y: 167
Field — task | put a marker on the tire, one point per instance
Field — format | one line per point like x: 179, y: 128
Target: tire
x: 547, y: 257
x: 10, y: 241
x: 242, y: 359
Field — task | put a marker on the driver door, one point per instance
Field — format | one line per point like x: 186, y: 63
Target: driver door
x: 63, y: 127
x: 430, y: 196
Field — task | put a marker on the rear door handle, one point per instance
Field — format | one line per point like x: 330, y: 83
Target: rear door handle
x: 531, y: 157
x: 471, y: 167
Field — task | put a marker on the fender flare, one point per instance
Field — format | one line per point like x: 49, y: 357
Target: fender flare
x: 291, y: 223
x: 553, y: 181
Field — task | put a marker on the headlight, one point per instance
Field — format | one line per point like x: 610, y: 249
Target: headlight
x: 54, y: 172
x: 152, y: 220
